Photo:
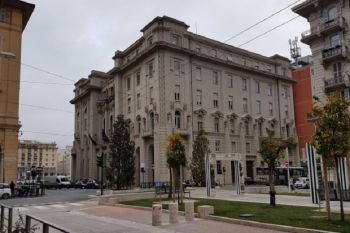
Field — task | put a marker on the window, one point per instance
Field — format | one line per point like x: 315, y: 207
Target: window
x: 198, y: 74
x: 151, y: 118
x: 198, y: 48
x: 230, y: 81
x: 151, y: 95
x: 285, y: 92
x: 270, y: 109
x: 287, y: 130
x: 177, y: 67
x: 138, y: 101
x: 218, y: 165
x: 332, y: 14
x: 217, y: 125
x: 85, y: 124
x: 199, y: 97
x: 177, y: 93
x: 215, y: 78
x: 178, y: 119
x: 247, y: 147
x: 230, y: 102
x: 233, y: 147
x: 244, y: 84
x: 257, y: 84
x: 260, y: 129
x: 258, y: 107
x: 245, y: 105
x: 150, y: 40
x: 150, y: 69
x: 129, y: 105
x: 214, y: 53
x: 232, y: 125
x: 138, y: 78
x: 337, y: 70
x: 128, y: 83
x: 286, y: 112
x: 176, y: 40
x: 139, y: 125
x: 200, y: 123
x: 334, y: 40
x: 217, y: 145
x: 246, y: 127
x: 216, y: 100
x: 269, y: 90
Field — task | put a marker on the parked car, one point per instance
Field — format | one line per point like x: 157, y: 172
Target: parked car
x: 249, y: 181
x: 302, y: 183
x: 5, y: 191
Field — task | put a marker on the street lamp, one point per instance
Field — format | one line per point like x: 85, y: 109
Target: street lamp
x: 7, y: 55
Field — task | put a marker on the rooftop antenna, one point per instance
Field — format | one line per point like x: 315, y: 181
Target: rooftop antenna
x: 295, y: 51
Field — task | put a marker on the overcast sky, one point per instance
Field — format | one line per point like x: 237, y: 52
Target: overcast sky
x: 73, y: 37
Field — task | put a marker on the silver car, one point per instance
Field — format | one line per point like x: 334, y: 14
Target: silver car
x: 5, y: 191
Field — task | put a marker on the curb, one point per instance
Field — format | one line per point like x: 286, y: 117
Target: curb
x: 240, y: 221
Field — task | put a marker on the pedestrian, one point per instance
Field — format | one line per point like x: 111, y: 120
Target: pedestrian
x: 12, y: 187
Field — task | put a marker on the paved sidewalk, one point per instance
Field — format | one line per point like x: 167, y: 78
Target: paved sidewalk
x: 226, y: 194
x: 92, y: 218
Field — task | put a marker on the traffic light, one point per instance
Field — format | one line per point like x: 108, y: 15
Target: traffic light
x: 99, y: 160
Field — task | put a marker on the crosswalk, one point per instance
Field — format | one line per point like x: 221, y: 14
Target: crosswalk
x: 50, y: 207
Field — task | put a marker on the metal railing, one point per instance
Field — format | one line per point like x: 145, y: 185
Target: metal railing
x: 341, y: 79
x: 46, y: 226
x: 335, y: 51
x: 8, y: 219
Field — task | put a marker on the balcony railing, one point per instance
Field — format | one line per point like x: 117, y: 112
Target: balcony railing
x: 333, y: 25
x: 330, y: 54
x: 308, y: 36
x: 336, y: 82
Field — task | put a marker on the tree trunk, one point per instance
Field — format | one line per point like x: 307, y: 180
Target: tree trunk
x: 272, y: 188
x: 170, y: 195
x: 340, y: 189
x: 181, y: 187
x: 326, y: 190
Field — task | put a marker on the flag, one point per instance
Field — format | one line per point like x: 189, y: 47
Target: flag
x: 105, y: 137
x: 92, y: 140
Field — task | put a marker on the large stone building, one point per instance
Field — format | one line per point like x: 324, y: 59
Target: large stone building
x: 64, y: 161
x: 14, y: 15
x: 36, y: 154
x: 172, y: 80
x: 329, y: 39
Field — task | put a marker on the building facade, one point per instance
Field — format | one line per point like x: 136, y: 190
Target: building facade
x: 303, y: 103
x: 329, y: 40
x: 172, y: 80
x: 33, y: 154
x: 64, y: 161
x: 14, y: 15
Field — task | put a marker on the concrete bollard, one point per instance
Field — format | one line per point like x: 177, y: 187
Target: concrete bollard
x: 173, y: 213
x: 156, y: 215
x: 189, y: 210
x: 205, y: 210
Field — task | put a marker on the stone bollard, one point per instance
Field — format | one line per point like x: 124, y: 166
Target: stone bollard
x: 205, y: 210
x: 189, y: 210
x: 173, y: 213
x: 156, y: 215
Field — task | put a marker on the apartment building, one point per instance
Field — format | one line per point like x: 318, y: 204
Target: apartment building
x: 64, y: 157
x: 36, y: 154
x: 173, y: 80
x: 14, y: 16
x: 328, y: 39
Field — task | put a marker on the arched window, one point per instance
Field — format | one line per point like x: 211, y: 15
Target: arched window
x: 138, y: 125
x: 332, y: 13
x: 178, y: 119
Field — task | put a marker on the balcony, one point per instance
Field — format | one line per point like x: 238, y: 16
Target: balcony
x: 148, y: 133
x: 308, y: 36
x: 331, y: 26
x: 334, y: 53
x: 336, y: 83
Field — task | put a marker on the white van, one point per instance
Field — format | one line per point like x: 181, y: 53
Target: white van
x: 56, y: 182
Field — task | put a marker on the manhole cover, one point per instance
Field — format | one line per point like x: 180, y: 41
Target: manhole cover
x: 246, y: 215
